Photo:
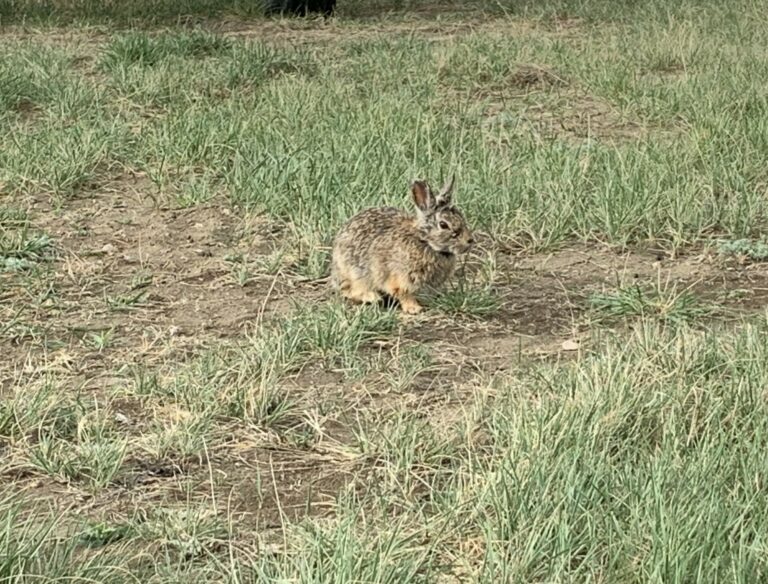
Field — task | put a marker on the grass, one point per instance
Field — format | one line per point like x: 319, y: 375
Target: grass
x: 143, y: 50
x: 755, y: 250
x: 602, y: 465
x: 473, y: 294
x: 181, y: 105
x: 181, y: 397
x: 21, y: 247
x: 665, y: 304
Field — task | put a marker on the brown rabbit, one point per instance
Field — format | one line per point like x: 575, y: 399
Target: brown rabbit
x: 387, y: 251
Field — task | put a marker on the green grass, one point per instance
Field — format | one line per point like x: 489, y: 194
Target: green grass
x: 474, y: 292
x: 170, y: 415
x: 662, y: 303
x: 32, y: 549
x: 21, y: 246
x: 247, y: 381
x: 603, y: 466
x: 756, y: 250
x: 15, y: 11
x: 311, y: 140
x: 21, y: 249
x: 641, y: 460
x: 147, y: 51
x: 64, y: 437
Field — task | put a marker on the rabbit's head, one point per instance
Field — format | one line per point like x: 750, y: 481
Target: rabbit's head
x: 441, y: 225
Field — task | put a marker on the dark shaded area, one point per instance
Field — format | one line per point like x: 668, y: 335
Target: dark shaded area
x: 300, y: 7
x: 153, y: 11
x: 121, y: 12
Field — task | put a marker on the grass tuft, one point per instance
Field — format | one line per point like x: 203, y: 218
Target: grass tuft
x: 142, y: 49
x: 21, y: 249
x: 93, y: 455
x: 469, y: 300
x: 746, y: 248
x: 665, y: 304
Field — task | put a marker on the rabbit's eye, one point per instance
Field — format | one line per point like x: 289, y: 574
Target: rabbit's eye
x: 444, y: 225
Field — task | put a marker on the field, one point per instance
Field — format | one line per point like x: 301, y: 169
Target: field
x: 184, y: 399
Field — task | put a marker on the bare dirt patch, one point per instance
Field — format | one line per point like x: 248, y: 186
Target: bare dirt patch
x: 546, y: 298
x: 145, y: 271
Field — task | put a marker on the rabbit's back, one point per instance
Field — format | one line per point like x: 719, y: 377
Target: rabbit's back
x: 369, y: 231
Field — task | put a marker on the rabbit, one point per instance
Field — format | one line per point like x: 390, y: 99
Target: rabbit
x: 386, y: 251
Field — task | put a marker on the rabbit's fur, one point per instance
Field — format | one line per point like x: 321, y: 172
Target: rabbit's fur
x: 388, y: 251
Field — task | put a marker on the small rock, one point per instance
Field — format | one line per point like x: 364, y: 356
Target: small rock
x: 108, y: 248
x: 570, y: 345
x: 122, y: 418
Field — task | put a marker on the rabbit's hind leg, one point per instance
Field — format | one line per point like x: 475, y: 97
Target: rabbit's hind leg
x: 352, y: 283
x: 399, y: 288
x: 358, y: 291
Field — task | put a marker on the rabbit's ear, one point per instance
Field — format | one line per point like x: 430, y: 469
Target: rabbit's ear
x: 422, y: 196
x: 444, y: 198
